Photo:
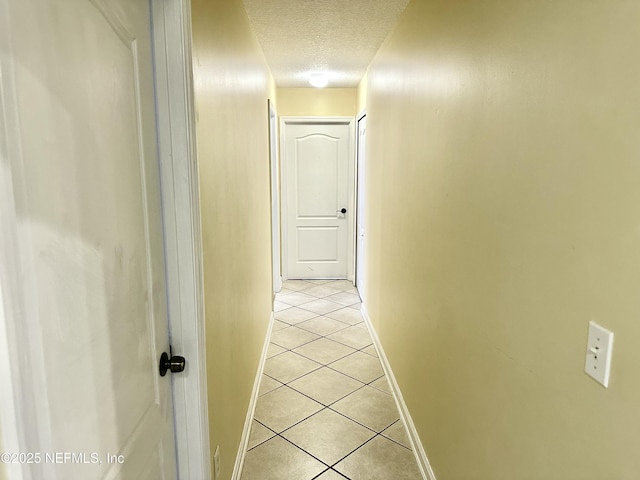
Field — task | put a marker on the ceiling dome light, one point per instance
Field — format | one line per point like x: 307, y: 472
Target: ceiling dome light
x: 318, y: 81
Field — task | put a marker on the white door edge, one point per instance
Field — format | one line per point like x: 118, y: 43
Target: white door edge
x: 275, y: 197
x: 302, y: 120
x: 360, y: 186
x: 182, y: 229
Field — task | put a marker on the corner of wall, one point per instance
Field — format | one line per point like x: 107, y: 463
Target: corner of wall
x: 362, y: 93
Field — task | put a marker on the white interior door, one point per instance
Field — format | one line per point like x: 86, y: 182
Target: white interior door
x: 360, y: 240
x: 319, y: 186
x: 78, y: 120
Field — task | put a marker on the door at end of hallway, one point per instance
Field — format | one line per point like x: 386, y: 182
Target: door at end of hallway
x: 318, y: 212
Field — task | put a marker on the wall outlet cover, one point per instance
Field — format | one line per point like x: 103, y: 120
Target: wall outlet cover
x: 599, y: 349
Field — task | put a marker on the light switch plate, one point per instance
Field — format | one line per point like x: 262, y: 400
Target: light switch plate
x: 599, y: 348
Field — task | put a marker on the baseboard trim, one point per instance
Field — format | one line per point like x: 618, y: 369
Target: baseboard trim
x: 414, y: 438
x: 246, y: 432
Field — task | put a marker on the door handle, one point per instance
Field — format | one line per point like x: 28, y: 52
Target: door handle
x: 175, y: 363
x: 343, y: 211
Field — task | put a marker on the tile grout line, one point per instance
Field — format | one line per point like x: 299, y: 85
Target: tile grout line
x: 395, y: 441
x: 346, y: 325
x: 378, y: 434
x: 324, y: 315
x: 332, y: 470
x: 265, y: 426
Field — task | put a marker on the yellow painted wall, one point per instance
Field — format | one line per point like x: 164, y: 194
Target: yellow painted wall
x: 317, y: 101
x: 504, y: 214
x: 232, y: 84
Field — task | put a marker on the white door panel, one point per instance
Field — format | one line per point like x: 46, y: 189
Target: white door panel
x: 85, y: 176
x: 319, y: 244
x: 318, y: 177
x: 318, y: 162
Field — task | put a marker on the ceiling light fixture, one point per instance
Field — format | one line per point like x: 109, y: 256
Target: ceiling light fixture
x: 318, y: 80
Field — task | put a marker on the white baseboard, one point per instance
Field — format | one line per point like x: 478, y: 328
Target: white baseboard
x: 414, y: 439
x: 244, y: 440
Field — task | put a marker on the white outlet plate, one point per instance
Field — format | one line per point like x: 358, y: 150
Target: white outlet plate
x: 216, y: 463
x: 599, y: 348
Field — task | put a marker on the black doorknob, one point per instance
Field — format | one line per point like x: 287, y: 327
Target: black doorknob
x: 344, y: 210
x: 175, y: 364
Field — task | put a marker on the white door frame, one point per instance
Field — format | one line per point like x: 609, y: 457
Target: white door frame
x: 360, y: 206
x: 275, y: 197
x: 20, y: 426
x: 284, y: 121
x: 182, y: 231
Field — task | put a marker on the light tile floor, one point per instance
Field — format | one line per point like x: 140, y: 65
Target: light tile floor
x: 325, y: 409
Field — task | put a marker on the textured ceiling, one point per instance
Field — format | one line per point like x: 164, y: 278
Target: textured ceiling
x: 339, y: 37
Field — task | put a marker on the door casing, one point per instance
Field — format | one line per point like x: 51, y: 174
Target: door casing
x: 182, y: 230
x: 301, y: 120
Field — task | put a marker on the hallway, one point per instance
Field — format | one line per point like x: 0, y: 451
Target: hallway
x: 144, y: 213
x: 325, y: 409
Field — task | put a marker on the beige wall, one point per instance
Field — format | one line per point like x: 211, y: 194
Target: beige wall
x: 317, y: 101
x: 504, y: 214
x: 232, y: 83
